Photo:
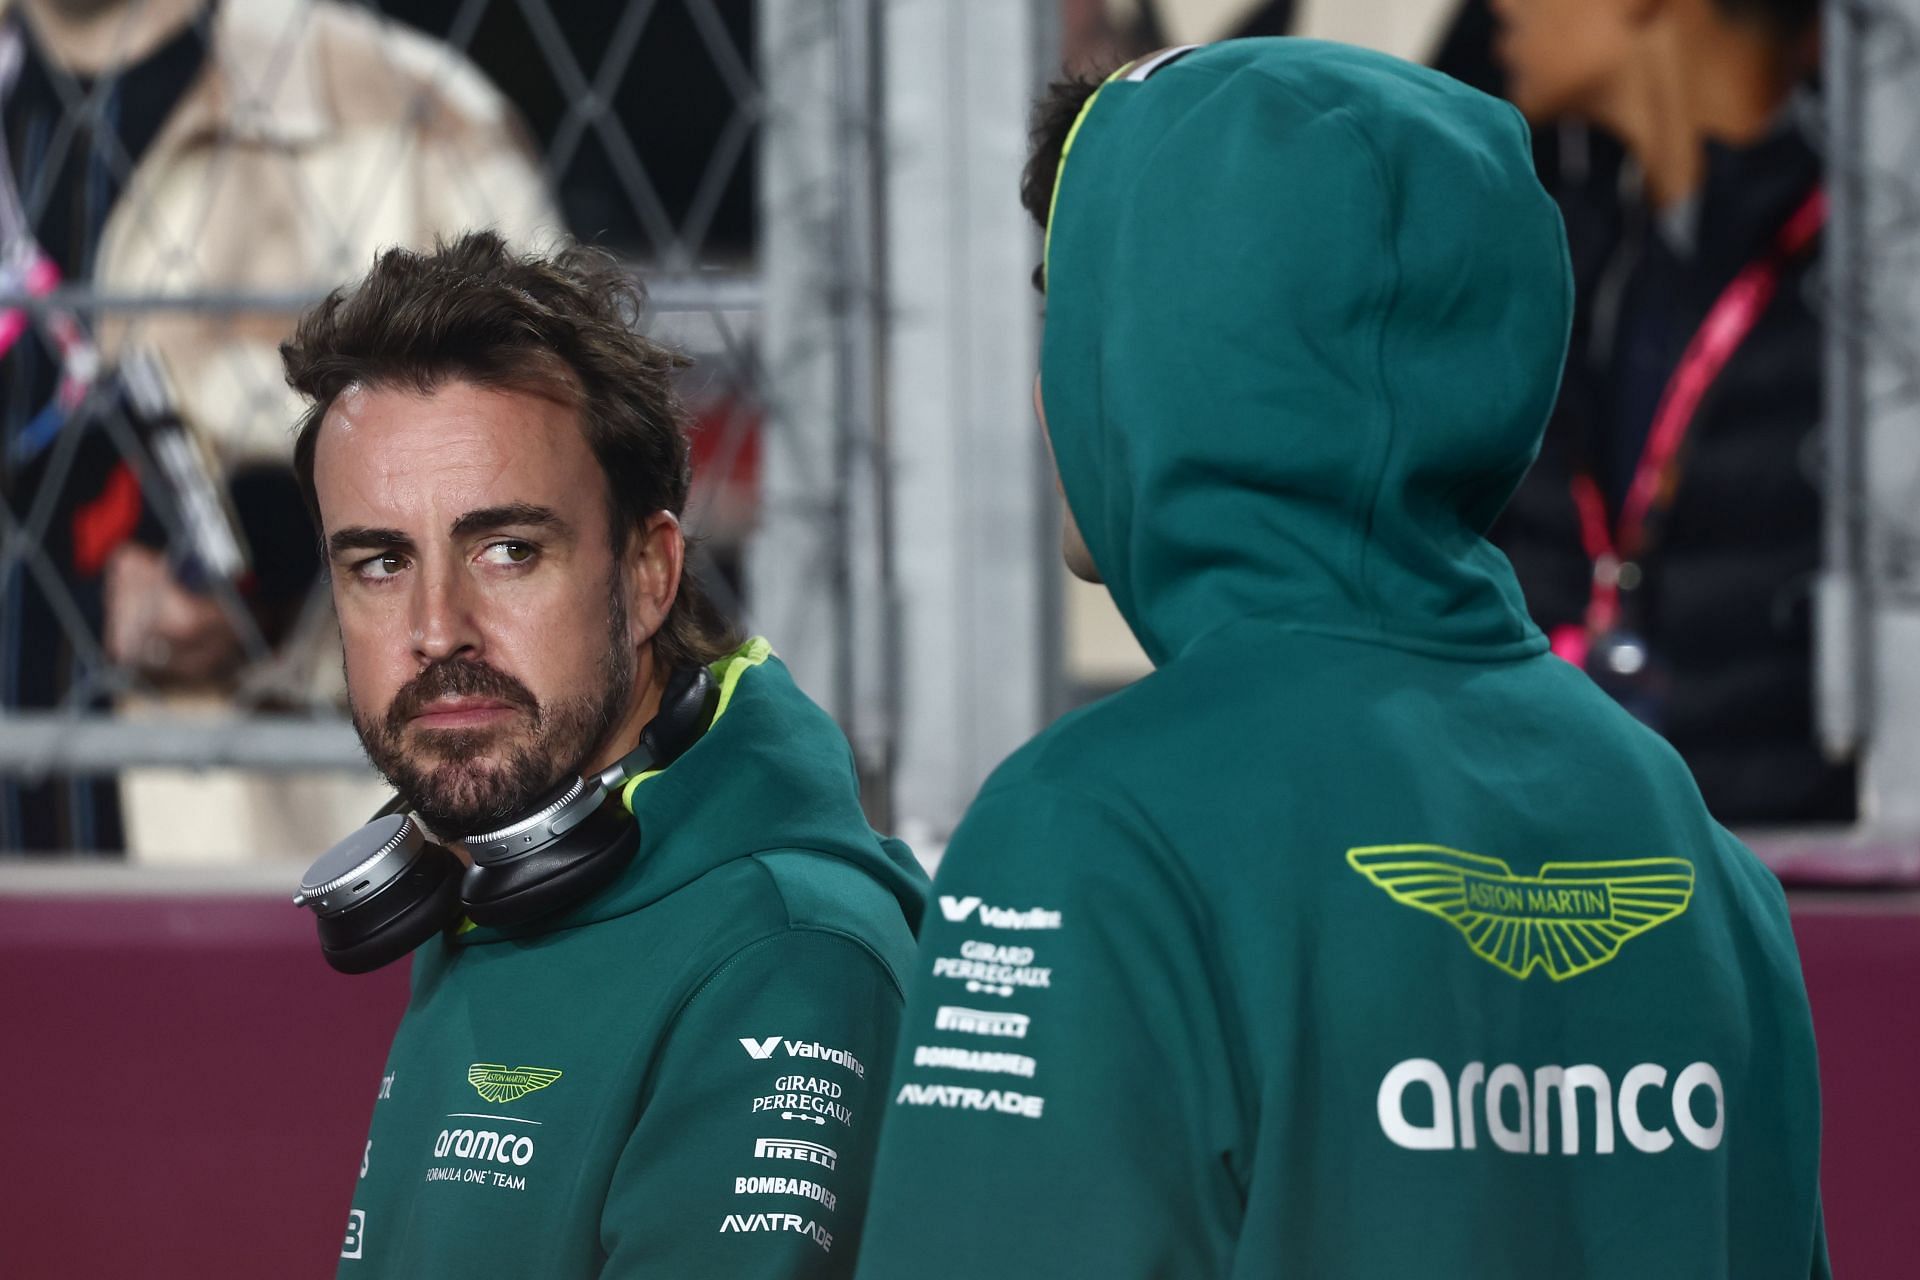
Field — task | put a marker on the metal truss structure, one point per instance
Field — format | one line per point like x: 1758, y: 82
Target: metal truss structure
x: 1869, y: 619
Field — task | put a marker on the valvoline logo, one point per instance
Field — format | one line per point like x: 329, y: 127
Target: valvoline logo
x: 761, y: 1050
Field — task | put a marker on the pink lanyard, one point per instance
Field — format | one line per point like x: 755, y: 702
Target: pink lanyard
x: 25, y: 268
x: 1656, y: 477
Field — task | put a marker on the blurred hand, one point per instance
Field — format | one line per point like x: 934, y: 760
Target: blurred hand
x: 157, y: 627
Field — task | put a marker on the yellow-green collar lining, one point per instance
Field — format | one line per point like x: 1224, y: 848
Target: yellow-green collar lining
x: 1138, y: 69
x: 728, y: 672
x: 1066, y: 148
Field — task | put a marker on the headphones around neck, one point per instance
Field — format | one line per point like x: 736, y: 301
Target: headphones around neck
x: 386, y: 888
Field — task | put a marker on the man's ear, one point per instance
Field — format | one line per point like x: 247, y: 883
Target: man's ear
x: 654, y: 557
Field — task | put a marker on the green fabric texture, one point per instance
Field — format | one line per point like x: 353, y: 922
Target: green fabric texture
x: 696, y: 1058
x: 1363, y: 938
x: 1305, y: 320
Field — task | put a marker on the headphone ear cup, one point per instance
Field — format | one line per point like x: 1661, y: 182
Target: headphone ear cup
x: 581, y: 863
x: 422, y: 902
x: 686, y: 710
x: 546, y: 862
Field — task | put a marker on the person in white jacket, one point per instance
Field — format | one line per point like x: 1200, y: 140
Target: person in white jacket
x: 310, y: 135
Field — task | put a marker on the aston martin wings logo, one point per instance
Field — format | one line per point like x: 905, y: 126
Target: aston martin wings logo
x: 1572, y: 917
x: 497, y: 1083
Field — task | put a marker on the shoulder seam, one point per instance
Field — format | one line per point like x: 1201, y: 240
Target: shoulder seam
x: 1140, y: 823
x: 773, y: 882
x: 738, y: 953
x: 796, y: 926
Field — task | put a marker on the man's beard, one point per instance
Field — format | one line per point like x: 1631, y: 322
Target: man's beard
x: 439, y: 773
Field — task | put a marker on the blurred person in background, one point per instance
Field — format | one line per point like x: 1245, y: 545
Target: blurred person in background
x: 682, y: 1031
x: 1102, y: 32
x: 1363, y: 937
x: 248, y: 148
x: 1669, y: 537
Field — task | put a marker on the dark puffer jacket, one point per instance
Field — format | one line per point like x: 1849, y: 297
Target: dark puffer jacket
x: 1724, y: 605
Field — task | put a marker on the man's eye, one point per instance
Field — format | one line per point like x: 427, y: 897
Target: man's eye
x: 385, y: 566
x: 509, y: 552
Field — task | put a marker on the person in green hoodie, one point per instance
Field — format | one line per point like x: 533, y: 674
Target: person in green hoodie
x: 1364, y: 937
x: 675, y: 1066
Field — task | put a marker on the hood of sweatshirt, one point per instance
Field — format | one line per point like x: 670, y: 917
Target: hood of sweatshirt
x: 1307, y: 308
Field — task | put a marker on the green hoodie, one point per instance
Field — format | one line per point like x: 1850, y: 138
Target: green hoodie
x: 682, y: 1076
x: 1363, y: 938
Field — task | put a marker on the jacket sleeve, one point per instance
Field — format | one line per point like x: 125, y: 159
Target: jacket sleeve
x: 755, y: 1142
x: 1066, y: 1096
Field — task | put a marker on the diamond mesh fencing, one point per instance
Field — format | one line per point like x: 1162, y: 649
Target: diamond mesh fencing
x: 1871, y: 592
x: 1870, y: 606
x: 1874, y: 308
x: 175, y: 201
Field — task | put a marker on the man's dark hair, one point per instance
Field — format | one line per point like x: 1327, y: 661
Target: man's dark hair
x: 1051, y: 122
x: 562, y: 327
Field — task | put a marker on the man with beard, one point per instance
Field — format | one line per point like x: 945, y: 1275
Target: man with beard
x: 681, y: 1073
x: 256, y: 149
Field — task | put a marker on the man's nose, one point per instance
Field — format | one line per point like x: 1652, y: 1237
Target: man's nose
x: 443, y: 624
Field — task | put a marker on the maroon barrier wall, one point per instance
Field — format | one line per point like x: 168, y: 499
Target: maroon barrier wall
x: 187, y: 1088
x: 1861, y: 954
x: 188, y: 1085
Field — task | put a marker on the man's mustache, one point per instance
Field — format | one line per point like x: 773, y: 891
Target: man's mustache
x: 456, y: 678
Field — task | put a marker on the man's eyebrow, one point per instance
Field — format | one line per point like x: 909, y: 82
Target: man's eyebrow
x: 522, y: 514
x: 364, y: 538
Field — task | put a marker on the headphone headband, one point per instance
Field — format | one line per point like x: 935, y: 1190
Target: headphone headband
x: 569, y: 847
x: 686, y: 712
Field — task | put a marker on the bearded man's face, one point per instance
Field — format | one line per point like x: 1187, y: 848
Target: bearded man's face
x: 482, y: 607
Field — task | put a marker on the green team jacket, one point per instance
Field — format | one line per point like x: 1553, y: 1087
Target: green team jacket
x: 1363, y: 938
x: 683, y: 1076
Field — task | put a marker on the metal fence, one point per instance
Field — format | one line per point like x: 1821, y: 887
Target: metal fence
x: 641, y: 123
x: 1870, y: 602
x: 817, y: 194
x: 784, y: 175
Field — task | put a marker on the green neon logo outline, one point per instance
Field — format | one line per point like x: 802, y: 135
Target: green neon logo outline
x: 1640, y: 894
x: 498, y: 1083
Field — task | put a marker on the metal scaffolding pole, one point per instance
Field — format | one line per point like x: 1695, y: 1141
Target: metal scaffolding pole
x: 1869, y: 636
x: 818, y: 567
x: 974, y: 541
x: 34, y: 744
x: 906, y: 551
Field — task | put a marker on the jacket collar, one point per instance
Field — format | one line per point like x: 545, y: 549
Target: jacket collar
x: 263, y: 82
x: 1749, y: 193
